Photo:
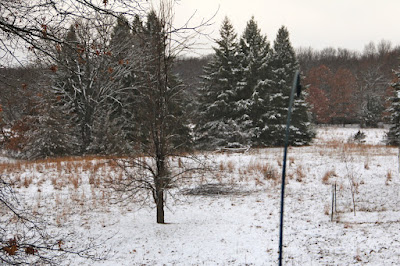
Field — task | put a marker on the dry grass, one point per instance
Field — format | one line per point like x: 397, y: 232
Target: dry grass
x: 327, y: 176
x: 366, y: 165
x: 230, y: 166
x: 331, y: 147
x: 221, y: 166
x: 300, y: 174
x: 270, y: 173
x: 327, y: 209
x: 388, y: 177
x: 75, y: 180
x: 267, y: 171
x: 27, y: 181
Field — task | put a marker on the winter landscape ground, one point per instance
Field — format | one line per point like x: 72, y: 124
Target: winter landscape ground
x: 230, y: 216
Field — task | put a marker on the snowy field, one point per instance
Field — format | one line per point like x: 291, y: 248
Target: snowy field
x: 231, y: 216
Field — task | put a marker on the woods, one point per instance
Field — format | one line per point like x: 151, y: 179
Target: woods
x: 107, y: 82
x: 101, y: 114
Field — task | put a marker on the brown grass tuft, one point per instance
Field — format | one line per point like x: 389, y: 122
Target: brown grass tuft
x: 327, y: 176
x: 231, y: 166
x: 388, y: 177
x: 28, y: 181
x: 299, y: 174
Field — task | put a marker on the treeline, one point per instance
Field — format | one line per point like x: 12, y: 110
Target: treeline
x: 350, y: 87
x: 122, y: 91
x: 344, y: 86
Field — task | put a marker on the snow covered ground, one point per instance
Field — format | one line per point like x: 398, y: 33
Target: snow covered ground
x: 231, y: 215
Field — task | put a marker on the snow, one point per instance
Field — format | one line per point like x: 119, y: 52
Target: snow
x: 240, y: 225
x: 374, y: 136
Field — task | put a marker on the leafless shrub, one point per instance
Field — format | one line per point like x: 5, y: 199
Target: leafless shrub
x: 351, y: 177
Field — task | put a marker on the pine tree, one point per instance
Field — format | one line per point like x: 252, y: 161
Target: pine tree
x: 217, y: 126
x: 51, y: 133
x: 284, y: 65
x: 371, y: 112
x: 393, y: 136
x: 253, y: 89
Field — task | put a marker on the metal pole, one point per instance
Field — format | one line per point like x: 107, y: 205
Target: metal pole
x: 333, y: 201
x: 294, y: 87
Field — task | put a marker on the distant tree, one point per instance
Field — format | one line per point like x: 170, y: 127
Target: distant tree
x: 308, y: 58
x: 341, y: 97
x: 372, y: 84
x: 393, y: 136
x: 18, y: 87
x: 50, y: 133
x: 318, y: 80
x: 190, y: 70
x: 217, y: 126
x: 114, y: 123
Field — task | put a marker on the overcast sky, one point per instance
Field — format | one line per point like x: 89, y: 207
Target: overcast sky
x: 316, y: 23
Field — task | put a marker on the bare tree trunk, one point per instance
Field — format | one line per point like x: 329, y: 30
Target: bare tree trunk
x: 160, y: 206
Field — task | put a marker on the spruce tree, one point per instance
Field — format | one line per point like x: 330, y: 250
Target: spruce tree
x: 252, y: 92
x: 217, y: 126
x: 51, y: 133
x: 284, y: 65
x: 394, y: 110
x: 116, y: 124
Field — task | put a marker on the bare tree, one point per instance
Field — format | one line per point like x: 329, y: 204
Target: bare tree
x: 162, y: 132
x: 24, y: 24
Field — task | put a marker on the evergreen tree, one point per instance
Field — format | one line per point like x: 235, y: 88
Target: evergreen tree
x: 393, y: 136
x: 51, y: 134
x: 253, y: 90
x: 284, y: 65
x: 121, y: 40
x: 371, y: 112
x: 217, y: 126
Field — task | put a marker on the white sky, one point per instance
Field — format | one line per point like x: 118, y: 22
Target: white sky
x: 317, y: 23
